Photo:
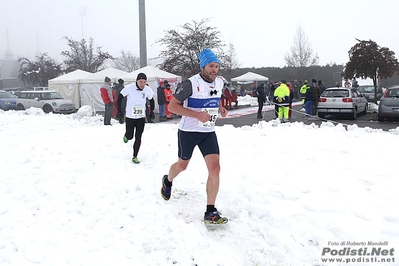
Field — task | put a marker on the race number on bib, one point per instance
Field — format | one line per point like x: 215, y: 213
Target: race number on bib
x: 213, y: 112
x: 138, y: 111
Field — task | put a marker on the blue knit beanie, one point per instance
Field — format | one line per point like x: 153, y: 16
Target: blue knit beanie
x: 206, y: 57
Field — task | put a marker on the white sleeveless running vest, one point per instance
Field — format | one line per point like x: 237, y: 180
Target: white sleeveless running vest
x: 206, y: 98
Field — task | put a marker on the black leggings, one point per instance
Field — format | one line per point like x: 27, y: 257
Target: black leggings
x: 131, y: 124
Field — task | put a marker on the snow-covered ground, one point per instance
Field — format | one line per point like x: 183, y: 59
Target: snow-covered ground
x: 69, y: 195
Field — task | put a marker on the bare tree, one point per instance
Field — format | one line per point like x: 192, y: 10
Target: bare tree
x: 301, y: 54
x: 230, y: 61
x: 182, y: 49
x: 83, y: 56
x: 127, y: 62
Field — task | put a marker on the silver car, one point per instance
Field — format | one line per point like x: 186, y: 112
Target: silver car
x: 369, y: 92
x: 342, y: 101
x: 49, y: 101
x: 389, y: 104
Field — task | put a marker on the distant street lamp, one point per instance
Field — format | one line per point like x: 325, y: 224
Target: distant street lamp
x: 82, y: 13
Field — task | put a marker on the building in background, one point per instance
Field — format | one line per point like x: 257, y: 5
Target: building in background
x: 9, y: 69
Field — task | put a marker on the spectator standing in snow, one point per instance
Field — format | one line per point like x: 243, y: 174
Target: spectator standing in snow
x: 321, y: 86
x: 108, y: 99
x: 260, y: 93
x: 168, y: 97
x: 282, y: 96
x: 234, y: 98
x: 226, y: 98
x: 161, y: 100
x: 118, y: 88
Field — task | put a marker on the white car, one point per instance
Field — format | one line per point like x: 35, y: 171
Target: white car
x: 342, y: 101
x: 49, y: 101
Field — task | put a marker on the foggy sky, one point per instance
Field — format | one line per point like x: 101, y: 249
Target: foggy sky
x: 261, y: 31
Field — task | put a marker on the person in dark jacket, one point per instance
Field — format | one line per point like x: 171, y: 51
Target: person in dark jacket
x: 260, y: 93
x: 226, y: 96
x: 272, y: 89
x: 234, y: 98
x: 162, y: 100
x: 321, y: 86
x: 309, y: 102
x: 316, y: 95
x: 149, y: 111
x: 118, y: 87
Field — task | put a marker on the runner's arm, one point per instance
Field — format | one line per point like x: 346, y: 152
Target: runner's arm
x: 176, y: 107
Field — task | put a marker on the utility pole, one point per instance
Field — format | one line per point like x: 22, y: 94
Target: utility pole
x: 142, y: 33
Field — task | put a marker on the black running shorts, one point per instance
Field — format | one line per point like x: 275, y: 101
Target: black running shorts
x: 206, y: 142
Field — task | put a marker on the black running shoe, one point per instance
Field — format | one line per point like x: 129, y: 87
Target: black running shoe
x: 165, y: 190
x: 214, y: 218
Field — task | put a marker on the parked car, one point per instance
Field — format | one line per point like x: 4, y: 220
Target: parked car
x: 368, y: 92
x: 342, y: 101
x: 49, y: 101
x: 41, y: 88
x: 15, y: 91
x: 389, y: 104
x: 8, y: 101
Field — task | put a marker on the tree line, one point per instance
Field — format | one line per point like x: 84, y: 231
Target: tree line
x: 329, y: 74
x: 366, y: 59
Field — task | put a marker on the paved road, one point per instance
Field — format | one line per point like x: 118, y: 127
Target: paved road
x: 246, y: 116
x: 368, y: 120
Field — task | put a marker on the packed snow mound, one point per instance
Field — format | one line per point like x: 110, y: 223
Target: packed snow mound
x: 85, y: 110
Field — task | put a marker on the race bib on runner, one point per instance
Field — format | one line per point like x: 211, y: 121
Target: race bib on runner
x: 213, y: 112
x: 138, y: 111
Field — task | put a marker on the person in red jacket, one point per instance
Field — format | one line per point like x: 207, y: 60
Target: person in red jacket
x: 227, y: 97
x: 168, y: 96
x: 108, y: 99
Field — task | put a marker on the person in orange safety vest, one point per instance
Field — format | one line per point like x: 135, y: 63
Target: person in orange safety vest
x: 169, y: 97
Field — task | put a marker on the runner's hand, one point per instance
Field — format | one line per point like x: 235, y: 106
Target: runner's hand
x: 203, y: 116
x: 223, y: 111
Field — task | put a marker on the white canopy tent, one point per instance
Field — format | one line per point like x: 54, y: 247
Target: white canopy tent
x: 154, y: 77
x: 83, y: 88
x: 113, y: 73
x: 68, y: 85
x: 249, y: 77
x: 91, y: 84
